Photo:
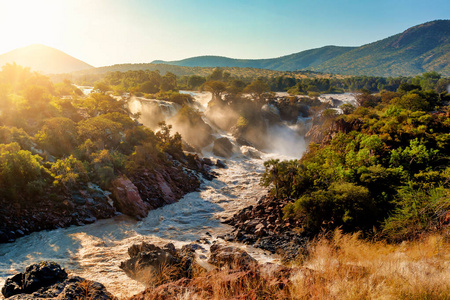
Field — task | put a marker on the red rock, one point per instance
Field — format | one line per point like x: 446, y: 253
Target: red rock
x: 127, y: 199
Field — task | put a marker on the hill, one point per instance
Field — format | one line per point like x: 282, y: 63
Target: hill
x: 44, y: 59
x: 419, y: 49
x: 302, y: 60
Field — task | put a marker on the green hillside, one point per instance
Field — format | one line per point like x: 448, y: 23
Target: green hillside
x: 419, y: 49
x: 302, y: 60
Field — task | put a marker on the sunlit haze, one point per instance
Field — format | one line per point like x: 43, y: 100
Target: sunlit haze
x: 104, y: 32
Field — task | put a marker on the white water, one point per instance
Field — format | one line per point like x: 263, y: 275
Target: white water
x: 95, y: 251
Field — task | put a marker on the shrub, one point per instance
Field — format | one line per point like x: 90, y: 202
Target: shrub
x: 20, y: 171
x: 69, y: 172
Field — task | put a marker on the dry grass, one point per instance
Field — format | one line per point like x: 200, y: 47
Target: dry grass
x: 346, y: 267
x: 341, y: 267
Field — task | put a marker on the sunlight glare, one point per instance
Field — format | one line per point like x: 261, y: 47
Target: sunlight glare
x: 31, y: 22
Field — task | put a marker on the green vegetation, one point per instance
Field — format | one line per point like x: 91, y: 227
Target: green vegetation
x: 381, y: 167
x: 422, y: 48
x: 54, y: 140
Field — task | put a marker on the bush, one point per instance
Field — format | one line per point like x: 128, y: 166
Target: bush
x: 20, y: 171
x: 417, y: 211
x: 342, y: 204
x: 69, y: 172
x: 58, y: 136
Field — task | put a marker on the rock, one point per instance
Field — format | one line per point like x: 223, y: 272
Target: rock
x: 207, y: 161
x: 127, y: 199
x: 223, y: 147
x: 165, y: 189
x: 230, y: 256
x: 263, y: 226
x: 71, y: 288
x: 49, y: 280
x: 252, y: 153
x: 171, y: 290
x: 34, y: 277
x: 79, y: 200
x: 147, y: 261
x: 220, y: 164
x: 243, y: 142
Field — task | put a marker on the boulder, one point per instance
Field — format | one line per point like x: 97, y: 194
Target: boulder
x: 34, y: 277
x: 250, y: 152
x: 220, y: 164
x: 49, y: 280
x: 230, y: 256
x: 153, y: 265
x: 223, y: 147
x: 127, y: 199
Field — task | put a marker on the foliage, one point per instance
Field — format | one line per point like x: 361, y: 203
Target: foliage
x: 58, y: 136
x: 417, y: 211
x: 20, y: 172
x: 383, y: 167
x: 69, y: 172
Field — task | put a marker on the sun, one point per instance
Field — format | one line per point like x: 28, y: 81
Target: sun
x: 26, y: 22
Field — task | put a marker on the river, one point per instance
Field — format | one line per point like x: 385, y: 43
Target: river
x: 95, y: 251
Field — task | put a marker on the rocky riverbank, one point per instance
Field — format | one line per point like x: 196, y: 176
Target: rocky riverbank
x: 263, y: 226
x: 134, y: 196
x: 49, y: 280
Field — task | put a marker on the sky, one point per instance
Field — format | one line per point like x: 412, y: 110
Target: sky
x: 107, y: 32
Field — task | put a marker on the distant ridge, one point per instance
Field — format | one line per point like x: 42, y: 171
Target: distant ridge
x: 422, y: 48
x: 302, y: 60
x: 44, y: 59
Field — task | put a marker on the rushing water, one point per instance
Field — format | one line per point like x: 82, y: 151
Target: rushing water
x: 95, y: 251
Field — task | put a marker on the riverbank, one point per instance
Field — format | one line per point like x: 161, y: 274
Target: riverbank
x: 94, y: 251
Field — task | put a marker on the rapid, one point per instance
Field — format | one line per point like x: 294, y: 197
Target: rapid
x: 95, y: 251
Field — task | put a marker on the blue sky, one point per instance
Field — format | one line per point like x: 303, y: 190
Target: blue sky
x: 105, y: 32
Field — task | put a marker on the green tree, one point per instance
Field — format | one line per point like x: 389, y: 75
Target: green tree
x: 217, y: 88
x: 58, y: 136
x: 20, y: 172
x: 195, y: 81
x: 259, y: 90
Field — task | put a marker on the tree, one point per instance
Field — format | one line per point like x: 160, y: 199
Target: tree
x: 217, y: 88
x: 365, y: 98
x: 216, y: 75
x: 101, y: 87
x: 168, y: 82
x: 271, y: 174
x: 258, y: 90
x: 20, y: 171
x: 98, y: 104
x: 195, y: 81
x: 58, y: 136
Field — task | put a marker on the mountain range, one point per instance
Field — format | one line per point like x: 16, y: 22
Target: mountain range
x: 419, y: 49
x: 44, y: 59
x: 422, y: 48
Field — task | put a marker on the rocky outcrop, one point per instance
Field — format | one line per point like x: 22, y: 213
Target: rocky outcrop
x: 127, y: 199
x: 232, y: 257
x: 133, y: 196
x: 164, y: 186
x: 56, y: 209
x: 223, y: 147
x: 153, y: 265
x: 245, y: 279
x: 49, y: 280
x: 251, y: 152
x: 264, y: 226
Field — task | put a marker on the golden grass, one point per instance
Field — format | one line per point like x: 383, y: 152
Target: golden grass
x: 341, y: 267
x: 346, y: 267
